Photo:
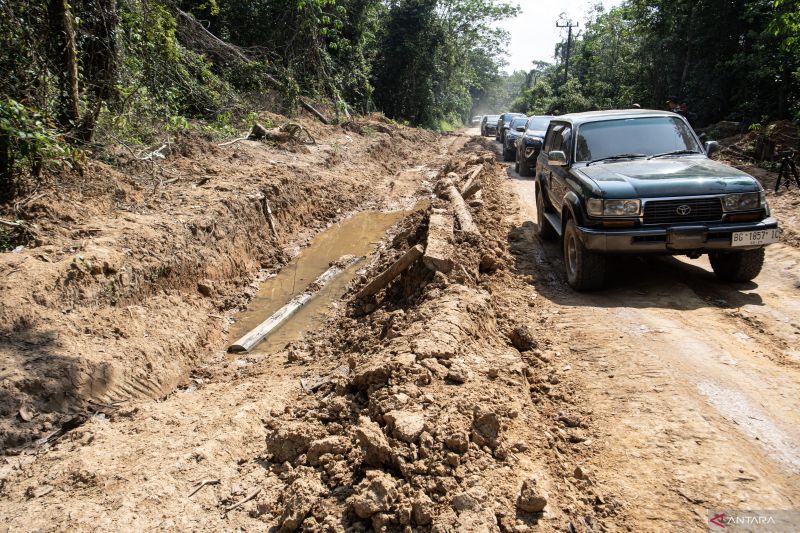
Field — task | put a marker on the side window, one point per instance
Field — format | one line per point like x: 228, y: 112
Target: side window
x: 566, y: 141
x: 553, y: 139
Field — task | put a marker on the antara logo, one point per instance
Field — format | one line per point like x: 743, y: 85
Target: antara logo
x: 723, y: 521
x: 718, y: 520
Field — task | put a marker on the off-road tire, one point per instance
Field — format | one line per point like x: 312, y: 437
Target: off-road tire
x: 508, y: 155
x: 544, y: 230
x: 524, y: 168
x: 737, y: 266
x: 585, y: 270
x: 516, y: 164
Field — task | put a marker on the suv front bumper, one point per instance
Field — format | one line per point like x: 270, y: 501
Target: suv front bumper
x: 671, y: 239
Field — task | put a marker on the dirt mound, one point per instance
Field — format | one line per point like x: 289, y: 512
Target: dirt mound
x: 763, y: 144
x: 122, y: 284
x: 759, y: 153
x: 410, y: 407
x: 428, y: 423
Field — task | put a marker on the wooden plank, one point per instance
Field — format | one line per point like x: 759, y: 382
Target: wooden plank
x: 439, y: 248
x: 395, y: 269
x: 260, y: 332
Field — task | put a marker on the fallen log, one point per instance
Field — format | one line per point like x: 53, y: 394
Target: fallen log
x: 260, y: 332
x: 257, y: 132
x: 314, y: 112
x: 470, y: 189
x: 471, y: 176
x: 439, y: 249
x: 395, y: 269
x: 464, y: 217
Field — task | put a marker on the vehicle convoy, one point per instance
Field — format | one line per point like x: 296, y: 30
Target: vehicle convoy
x: 530, y: 144
x: 515, y: 131
x: 640, y: 182
x: 503, y: 123
x: 489, y: 125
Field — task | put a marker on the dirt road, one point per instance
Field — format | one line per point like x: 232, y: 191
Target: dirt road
x: 693, y: 385
x: 488, y: 398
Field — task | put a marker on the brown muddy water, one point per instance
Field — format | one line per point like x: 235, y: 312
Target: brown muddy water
x: 357, y: 235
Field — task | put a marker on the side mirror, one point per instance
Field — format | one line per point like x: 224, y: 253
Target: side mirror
x: 557, y: 158
x: 712, y: 147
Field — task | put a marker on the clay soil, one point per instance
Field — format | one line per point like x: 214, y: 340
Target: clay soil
x: 487, y: 398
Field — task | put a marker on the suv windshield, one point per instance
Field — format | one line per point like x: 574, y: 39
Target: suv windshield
x: 647, y: 136
x: 538, y: 123
x: 492, y: 119
x: 518, y: 123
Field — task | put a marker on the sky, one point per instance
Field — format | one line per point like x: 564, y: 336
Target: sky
x: 534, y: 33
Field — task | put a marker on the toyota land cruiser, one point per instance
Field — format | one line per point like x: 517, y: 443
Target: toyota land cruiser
x: 640, y: 182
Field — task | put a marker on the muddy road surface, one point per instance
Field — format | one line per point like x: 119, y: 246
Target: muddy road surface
x: 693, y: 384
x: 475, y: 392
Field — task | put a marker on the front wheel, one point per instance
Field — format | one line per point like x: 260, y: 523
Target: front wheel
x: 508, y: 155
x: 737, y: 266
x: 585, y: 270
x: 524, y: 167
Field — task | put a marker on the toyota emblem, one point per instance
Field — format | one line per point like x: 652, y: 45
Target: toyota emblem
x: 683, y: 210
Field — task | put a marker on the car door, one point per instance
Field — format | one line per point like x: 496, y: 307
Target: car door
x: 560, y: 175
x: 552, y: 141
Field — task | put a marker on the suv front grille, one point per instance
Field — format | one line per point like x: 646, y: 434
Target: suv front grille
x: 683, y: 211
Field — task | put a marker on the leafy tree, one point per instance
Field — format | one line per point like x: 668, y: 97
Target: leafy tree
x: 734, y: 60
x: 436, y: 56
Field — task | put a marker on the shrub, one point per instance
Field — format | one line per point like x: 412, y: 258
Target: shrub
x: 28, y: 146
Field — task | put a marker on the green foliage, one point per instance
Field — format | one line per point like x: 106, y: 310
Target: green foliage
x: 736, y: 60
x: 435, y: 56
x: 27, y: 146
x: 7, y: 241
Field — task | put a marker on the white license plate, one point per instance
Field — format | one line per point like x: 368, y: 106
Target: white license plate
x: 755, y: 238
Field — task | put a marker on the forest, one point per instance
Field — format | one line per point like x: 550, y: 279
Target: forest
x: 87, y: 72
x: 728, y: 60
x: 90, y: 72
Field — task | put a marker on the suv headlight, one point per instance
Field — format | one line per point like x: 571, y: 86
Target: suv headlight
x: 613, y: 208
x: 744, y: 202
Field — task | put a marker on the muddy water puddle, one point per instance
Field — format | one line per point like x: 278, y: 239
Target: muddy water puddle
x: 357, y: 235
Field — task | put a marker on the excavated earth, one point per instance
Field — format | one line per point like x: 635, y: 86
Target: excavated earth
x: 487, y: 397
x: 121, y: 290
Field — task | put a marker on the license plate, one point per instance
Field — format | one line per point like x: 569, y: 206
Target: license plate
x: 755, y: 238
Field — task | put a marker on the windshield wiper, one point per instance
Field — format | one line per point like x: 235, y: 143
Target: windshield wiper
x: 676, y: 152
x: 618, y: 156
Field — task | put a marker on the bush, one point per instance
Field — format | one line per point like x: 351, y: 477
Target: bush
x: 28, y: 147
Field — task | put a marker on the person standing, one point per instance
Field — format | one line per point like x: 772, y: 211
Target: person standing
x: 673, y: 105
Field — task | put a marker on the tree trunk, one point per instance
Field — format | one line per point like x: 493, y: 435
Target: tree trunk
x: 66, y: 57
x: 100, y: 64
